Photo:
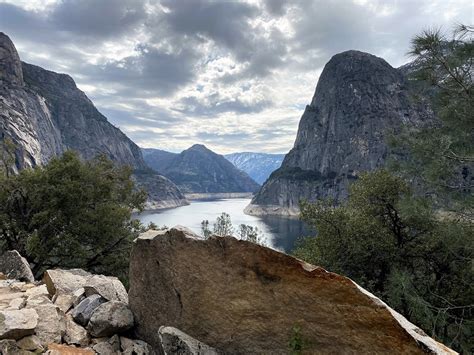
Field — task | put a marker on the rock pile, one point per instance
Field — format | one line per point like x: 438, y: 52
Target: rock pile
x: 71, y: 312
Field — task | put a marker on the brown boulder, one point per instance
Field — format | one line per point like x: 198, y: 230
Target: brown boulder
x: 242, y: 298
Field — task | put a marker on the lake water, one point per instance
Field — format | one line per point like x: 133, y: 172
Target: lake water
x: 279, y: 232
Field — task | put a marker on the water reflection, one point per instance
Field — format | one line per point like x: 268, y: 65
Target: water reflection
x: 280, y: 233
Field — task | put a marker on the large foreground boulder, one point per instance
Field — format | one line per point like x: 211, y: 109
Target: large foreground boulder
x: 242, y: 298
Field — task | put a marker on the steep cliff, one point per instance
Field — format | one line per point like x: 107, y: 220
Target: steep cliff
x: 45, y: 114
x: 258, y: 166
x: 359, y: 101
x: 200, y: 170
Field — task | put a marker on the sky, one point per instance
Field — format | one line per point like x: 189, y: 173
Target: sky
x: 233, y: 75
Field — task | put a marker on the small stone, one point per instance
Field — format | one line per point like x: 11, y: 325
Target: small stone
x: 37, y: 291
x: 75, y: 334
x: 31, y: 343
x: 110, y: 318
x: 16, y: 324
x: 135, y: 347
x: 104, y: 348
x: 17, y: 303
x: 82, y: 313
x: 9, y: 346
x: 67, y: 300
x: 14, y: 266
x: 174, y: 341
x: 59, y: 349
x: 3, y: 276
x: 109, y: 346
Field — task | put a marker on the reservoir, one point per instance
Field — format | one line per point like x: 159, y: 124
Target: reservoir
x: 279, y: 232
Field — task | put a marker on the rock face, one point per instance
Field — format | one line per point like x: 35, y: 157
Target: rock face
x: 200, y: 170
x: 359, y: 100
x: 45, y: 114
x: 14, y: 266
x: 242, y: 298
x: 258, y: 166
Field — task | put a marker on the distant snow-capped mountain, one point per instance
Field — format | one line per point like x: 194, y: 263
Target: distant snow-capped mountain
x: 258, y: 166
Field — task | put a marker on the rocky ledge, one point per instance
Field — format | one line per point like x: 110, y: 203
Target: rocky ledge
x: 242, y: 298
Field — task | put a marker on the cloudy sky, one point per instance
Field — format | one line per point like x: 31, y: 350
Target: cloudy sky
x: 233, y: 75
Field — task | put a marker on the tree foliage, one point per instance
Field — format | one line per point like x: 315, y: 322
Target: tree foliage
x: 71, y: 213
x: 391, y: 242
x: 223, y: 227
x: 442, y: 155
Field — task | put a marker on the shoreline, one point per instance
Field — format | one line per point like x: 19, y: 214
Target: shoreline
x: 271, y: 210
x: 217, y: 195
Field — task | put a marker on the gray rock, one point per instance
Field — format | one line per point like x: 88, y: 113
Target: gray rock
x: 14, y: 266
x: 359, y: 100
x: 110, y: 318
x: 30, y: 343
x: 108, y: 287
x: 51, y: 323
x: 67, y: 300
x: 10, y: 347
x: 16, y: 324
x: 75, y: 334
x: 82, y: 313
x: 61, y: 281
x: 174, y: 341
x: 135, y: 347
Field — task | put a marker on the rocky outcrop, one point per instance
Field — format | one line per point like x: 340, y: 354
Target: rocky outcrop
x: 200, y: 170
x: 10, y: 64
x: 359, y: 101
x: 45, y: 114
x: 258, y: 166
x: 242, y: 298
x: 14, y: 266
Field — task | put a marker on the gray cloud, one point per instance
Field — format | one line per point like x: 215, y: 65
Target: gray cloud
x: 215, y: 105
x: 150, y: 72
x: 103, y: 18
x: 158, y: 69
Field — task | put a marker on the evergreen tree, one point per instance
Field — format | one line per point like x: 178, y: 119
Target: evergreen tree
x: 71, y: 213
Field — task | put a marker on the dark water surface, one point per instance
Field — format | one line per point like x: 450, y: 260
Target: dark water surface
x: 279, y: 232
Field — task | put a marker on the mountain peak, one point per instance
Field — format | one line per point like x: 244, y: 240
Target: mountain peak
x: 10, y: 64
x: 199, y: 148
